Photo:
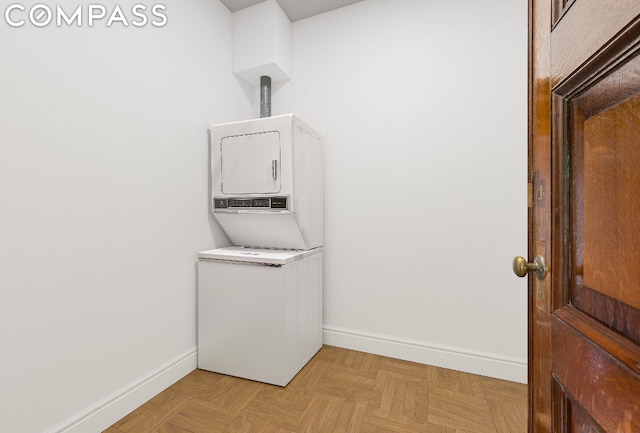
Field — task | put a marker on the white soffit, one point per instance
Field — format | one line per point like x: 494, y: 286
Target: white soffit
x: 295, y: 9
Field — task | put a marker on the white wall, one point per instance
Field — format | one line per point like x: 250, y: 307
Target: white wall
x: 103, y: 185
x: 423, y: 107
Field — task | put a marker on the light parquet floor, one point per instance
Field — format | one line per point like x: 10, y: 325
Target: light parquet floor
x: 339, y: 390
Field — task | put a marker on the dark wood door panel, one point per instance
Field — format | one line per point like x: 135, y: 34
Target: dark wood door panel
x: 597, y: 137
x: 580, y: 422
x: 618, y: 346
x: 559, y: 7
x: 611, y: 202
x: 570, y: 417
x: 615, y: 314
x: 594, y: 382
x: 585, y: 26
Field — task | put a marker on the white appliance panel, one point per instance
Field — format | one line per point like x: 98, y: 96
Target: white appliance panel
x: 255, y: 255
x: 250, y: 163
x: 259, y: 321
x: 260, y: 229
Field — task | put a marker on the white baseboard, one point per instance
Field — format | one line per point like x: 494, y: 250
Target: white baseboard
x: 103, y: 414
x: 454, y: 358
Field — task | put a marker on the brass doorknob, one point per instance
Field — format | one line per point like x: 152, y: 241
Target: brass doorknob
x: 521, y: 267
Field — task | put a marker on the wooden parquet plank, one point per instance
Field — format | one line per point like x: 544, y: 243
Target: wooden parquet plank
x: 348, y: 383
x: 408, y: 368
x: 224, y: 391
x: 199, y: 416
x: 328, y: 354
x: 457, y: 381
x: 501, y: 390
x: 338, y: 391
x: 279, y: 407
x: 365, y: 364
x: 460, y: 411
x: 375, y: 425
x: 311, y: 377
x: 170, y: 428
x: 250, y: 424
x: 153, y: 414
x: 112, y: 429
x: 399, y: 398
x: 507, y: 417
x: 355, y: 422
x: 322, y: 413
x: 433, y: 428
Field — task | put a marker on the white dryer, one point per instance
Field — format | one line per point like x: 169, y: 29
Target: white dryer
x: 266, y: 179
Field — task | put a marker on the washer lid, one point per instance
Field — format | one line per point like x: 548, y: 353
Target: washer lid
x: 256, y: 255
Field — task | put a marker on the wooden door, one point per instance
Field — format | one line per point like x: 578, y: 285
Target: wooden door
x: 584, y: 119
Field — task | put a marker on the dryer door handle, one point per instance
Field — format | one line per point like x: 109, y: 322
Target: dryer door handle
x: 274, y: 169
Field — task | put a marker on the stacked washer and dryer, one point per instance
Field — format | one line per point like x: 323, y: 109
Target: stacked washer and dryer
x: 260, y: 301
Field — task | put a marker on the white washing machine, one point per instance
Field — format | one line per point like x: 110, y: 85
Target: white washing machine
x: 259, y: 312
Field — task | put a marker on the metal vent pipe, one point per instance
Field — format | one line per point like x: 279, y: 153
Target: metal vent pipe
x: 265, y: 96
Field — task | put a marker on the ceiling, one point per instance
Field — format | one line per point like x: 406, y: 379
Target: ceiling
x: 295, y: 9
